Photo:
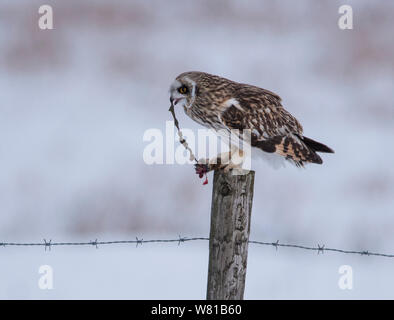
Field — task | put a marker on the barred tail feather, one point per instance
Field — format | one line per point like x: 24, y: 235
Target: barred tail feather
x: 294, y: 148
x: 316, y: 146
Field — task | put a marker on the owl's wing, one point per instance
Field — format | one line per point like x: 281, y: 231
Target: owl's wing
x: 273, y: 129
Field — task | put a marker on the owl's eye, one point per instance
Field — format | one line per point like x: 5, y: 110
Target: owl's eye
x: 183, y: 90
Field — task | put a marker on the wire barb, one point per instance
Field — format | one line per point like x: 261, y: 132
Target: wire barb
x: 320, y: 249
x: 138, y: 241
x: 94, y: 243
x: 181, y: 239
x: 47, y: 245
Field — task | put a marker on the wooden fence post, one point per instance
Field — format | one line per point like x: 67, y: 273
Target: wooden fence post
x: 231, y: 209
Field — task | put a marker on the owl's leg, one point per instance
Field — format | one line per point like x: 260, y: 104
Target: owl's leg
x: 236, y: 158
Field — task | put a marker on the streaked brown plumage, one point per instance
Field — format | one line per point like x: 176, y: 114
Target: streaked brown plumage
x: 219, y: 103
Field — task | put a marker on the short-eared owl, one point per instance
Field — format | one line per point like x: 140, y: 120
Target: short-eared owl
x: 219, y: 103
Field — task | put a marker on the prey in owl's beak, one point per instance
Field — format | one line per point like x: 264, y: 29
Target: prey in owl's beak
x: 201, y: 169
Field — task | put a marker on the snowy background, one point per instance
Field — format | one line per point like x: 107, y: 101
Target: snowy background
x: 74, y: 105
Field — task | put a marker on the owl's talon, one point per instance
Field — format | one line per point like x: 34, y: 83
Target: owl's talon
x: 201, y: 169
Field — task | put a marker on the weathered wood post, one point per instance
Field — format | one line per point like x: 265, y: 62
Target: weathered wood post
x: 230, y: 228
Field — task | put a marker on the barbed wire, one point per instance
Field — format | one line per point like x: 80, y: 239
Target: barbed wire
x: 320, y: 249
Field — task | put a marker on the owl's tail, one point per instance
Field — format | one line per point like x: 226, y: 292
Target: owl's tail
x: 316, y: 146
x: 296, y: 149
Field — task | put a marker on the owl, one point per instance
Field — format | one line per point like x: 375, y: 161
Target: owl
x: 224, y: 105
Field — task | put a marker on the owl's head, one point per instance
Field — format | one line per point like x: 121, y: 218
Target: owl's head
x: 184, y: 89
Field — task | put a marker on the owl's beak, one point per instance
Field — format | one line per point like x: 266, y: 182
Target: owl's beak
x: 175, y: 101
